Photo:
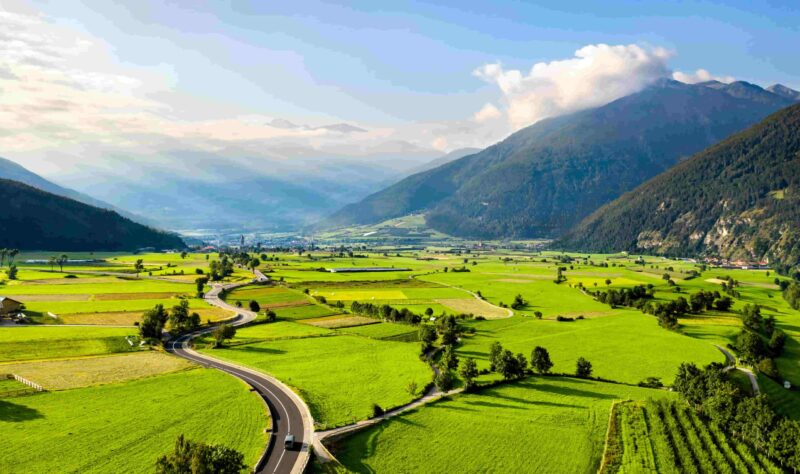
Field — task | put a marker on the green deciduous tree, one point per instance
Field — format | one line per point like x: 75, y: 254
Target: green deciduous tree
x: 468, y: 372
x: 153, y: 322
x: 540, y: 360
x: 583, y: 368
x: 191, y: 457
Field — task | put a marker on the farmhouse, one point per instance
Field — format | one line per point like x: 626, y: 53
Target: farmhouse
x: 9, y: 307
x: 366, y: 269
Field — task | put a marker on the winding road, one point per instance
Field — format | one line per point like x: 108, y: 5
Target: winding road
x: 732, y: 366
x: 289, y: 413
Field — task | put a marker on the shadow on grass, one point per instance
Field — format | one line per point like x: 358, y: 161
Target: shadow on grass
x: 261, y: 350
x: 11, y: 412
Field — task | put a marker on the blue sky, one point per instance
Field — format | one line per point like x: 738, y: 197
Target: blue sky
x: 401, y: 61
x: 81, y: 81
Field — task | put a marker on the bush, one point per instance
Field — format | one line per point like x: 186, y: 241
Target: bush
x: 768, y: 368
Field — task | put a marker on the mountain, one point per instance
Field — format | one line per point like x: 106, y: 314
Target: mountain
x: 542, y: 180
x: 16, y: 172
x: 444, y: 159
x: 285, y: 189
x: 784, y: 91
x: 33, y: 219
x: 737, y: 199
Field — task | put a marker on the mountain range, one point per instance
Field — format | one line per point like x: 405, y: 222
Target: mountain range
x: 33, y: 219
x: 739, y: 199
x: 544, y: 179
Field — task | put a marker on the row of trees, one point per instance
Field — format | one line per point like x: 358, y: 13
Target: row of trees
x: 179, y: 318
x: 192, y: 457
x: 9, y: 254
x: 385, y: 312
x: 750, y: 419
x: 511, y: 366
x: 759, y: 341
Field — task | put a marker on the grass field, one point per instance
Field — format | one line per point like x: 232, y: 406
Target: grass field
x: 627, y: 347
x: 668, y: 437
x: 340, y: 321
x: 74, y: 373
x: 49, y: 342
x: 269, y: 332
x: 547, y: 424
x: 125, y: 427
x: 303, y: 312
x: 339, y: 377
x: 382, y: 330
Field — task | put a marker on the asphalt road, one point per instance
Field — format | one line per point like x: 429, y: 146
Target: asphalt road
x: 286, y: 415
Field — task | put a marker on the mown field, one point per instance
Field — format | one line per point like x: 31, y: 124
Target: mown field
x: 549, y: 424
x: 668, y: 437
x: 340, y: 377
x: 52, y: 342
x: 125, y: 427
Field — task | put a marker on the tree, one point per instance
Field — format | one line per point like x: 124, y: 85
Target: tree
x: 153, y: 321
x: 253, y: 264
x: 540, y: 360
x: 512, y: 366
x: 52, y: 261
x: 201, y: 283
x: 495, y: 354
x: 138, y: 266
x: 449, y: 359
x: 443, y: 381
x: 724, y: 303
x: 184, y: 254
x: 3, y: 253
x: 751, y: 317
x: 583, y: 368
x: 519, y: 302
x: 180, y: 320
x: 12, y: 272
x: 11, y: 254
x: 428, y: 312
x: 62, y: 259
x: 750, y: 346
x: 191, y: 457
x: 254, y: 306
x: 468, y: 372
x: 784, y: 443
x: 221, y: 333
x: 271, y: 316
x: 538, y: 314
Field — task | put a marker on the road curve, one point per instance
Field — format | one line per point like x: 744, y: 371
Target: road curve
x: 289, y: 413
x: 731, y: 360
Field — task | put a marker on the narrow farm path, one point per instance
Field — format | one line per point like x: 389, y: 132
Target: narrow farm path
x: 431, y: 395
x: 731, y: 359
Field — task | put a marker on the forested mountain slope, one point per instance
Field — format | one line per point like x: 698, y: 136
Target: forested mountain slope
x: 32, y: 219
x: 737, y: 199
x: 542, y: 180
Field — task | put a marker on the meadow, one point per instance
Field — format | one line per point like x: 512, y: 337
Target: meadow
x: 540, y: 424
x: 125, y: 427
x: 340, y: 377
x: 626, y: 347
x: 50, y: 342
x: 62, y: 374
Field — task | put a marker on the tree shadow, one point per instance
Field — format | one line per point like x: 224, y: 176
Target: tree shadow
x: 262, y: 350
x: 11, y: 412
x: 570, y: 391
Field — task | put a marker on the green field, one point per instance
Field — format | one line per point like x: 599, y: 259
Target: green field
x: 382, y: 330
x: 49, y: 342
x: 126, y: 427
x: 547, y: 424
x: 339, y: 377
x: 627, y: 347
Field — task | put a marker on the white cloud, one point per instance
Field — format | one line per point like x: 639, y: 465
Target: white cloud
x: 701, y: 75
x: 596, y: 75
x: 487, y: 112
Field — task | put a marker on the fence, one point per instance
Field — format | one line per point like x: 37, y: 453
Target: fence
x: 32, y: 387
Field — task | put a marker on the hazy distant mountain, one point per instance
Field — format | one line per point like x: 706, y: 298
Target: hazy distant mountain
x: 784, y: 91
x: 738, y: 199
x: 33, y: 219
x: 190, y: 190
x: 543, y: 179
x: 16, y: 172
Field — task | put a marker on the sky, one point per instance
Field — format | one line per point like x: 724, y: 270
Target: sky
x: 87, y: 85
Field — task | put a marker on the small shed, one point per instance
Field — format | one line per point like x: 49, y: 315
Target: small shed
x: 9, y: 307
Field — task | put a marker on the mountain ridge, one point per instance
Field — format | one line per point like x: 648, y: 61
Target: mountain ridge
x: 543, y: 179
x: 738, y: 199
